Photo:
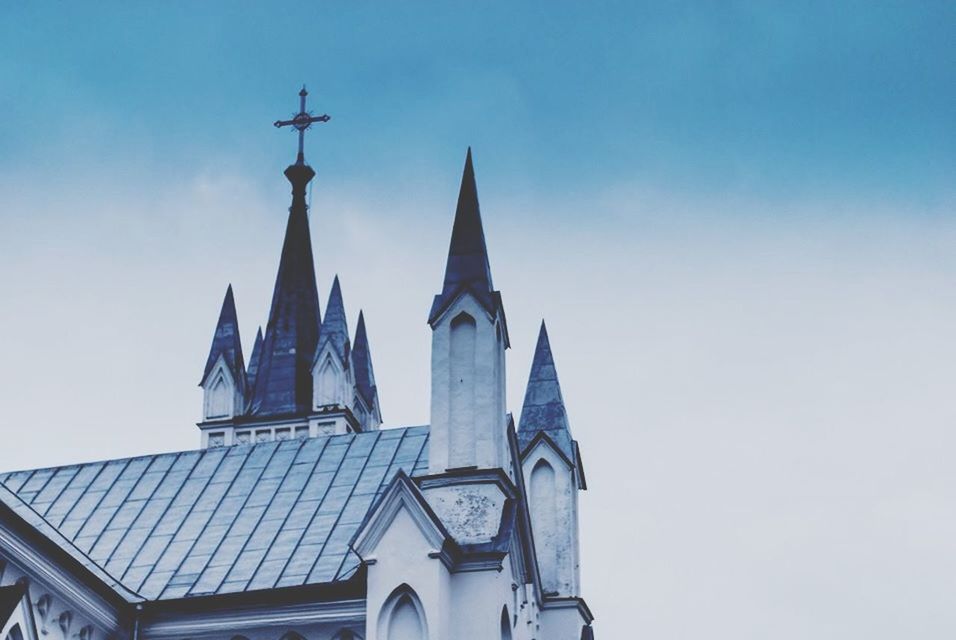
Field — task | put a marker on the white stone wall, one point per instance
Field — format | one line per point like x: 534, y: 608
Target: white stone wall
x: 468, y: 390
x: 553, y: 501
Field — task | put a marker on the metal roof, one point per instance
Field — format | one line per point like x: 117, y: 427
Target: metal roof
x: 227, y: 519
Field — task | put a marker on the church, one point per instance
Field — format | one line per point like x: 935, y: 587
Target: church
x: 301, y: 517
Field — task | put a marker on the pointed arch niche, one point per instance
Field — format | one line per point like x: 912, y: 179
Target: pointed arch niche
x: 544, y: 521
x: 402, y: 617
x: 505, y: 624
x: 462, y: 407
x: 220, y: 400
x: 327, y: 383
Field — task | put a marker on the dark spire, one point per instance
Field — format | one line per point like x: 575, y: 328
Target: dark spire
x: 284, y: 376
x: 362, y: 359
x: 467, y: 266
x: 254, y: 360
x: 543, y: 408
x: 225, y: 343
x: 335, y: 327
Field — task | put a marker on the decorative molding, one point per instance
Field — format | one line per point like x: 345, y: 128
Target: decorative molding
x: 232, y: 622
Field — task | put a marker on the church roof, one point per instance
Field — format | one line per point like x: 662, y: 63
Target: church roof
x: 225, y: 519
x: 226, y: 343
x: 284, y: 377
x: 543, y: 409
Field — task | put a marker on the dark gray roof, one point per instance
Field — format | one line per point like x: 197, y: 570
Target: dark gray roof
x: 284, y: 377
x: 543, y: 409
x: 225, y: 342
x: 335, y: 328
x: 467, y: 266
x: 362, y: 358
x: 226, y: 519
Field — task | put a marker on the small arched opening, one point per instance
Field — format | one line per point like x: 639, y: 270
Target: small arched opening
x: 505, y: 624
x: 402, y: 617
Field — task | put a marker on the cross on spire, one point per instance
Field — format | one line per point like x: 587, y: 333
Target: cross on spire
x: 301, y: 121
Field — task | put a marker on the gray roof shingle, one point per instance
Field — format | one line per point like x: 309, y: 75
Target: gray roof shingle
x: 226, y: 519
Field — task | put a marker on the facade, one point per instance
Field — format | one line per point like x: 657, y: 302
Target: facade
x: 300, y: 517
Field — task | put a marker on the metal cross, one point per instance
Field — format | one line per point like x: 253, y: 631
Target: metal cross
x: 302, y: 121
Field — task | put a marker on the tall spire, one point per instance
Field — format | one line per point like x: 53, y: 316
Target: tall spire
x: 335, y: 327
x: 284, y: 379
x: 467, y: 266
x: 543, y: 408
x: 225, y: 343
x: 362, y: 359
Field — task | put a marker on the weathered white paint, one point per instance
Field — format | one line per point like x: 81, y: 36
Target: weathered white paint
x: 553, y: 500
x: 468, y: 421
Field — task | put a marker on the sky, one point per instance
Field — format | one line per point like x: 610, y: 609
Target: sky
x: 737, y: 218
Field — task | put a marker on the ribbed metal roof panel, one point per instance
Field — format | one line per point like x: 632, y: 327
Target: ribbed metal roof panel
x: 224, y: 520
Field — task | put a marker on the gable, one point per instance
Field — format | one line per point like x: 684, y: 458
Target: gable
x: 401, y: 508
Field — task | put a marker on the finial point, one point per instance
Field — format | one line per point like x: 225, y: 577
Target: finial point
x: 303, y: 93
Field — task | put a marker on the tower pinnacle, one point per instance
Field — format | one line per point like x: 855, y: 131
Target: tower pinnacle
x: 467, y: 268
x: 543, y: 409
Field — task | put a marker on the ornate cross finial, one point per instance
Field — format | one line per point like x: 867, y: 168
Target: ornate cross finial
x: 301, y: 121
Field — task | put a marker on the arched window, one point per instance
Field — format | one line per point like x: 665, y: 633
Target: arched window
x: 505, y: 624
x: 291, y: 635
x: 402, y: 617
x: 462, y: 381
x: 543, y: 522
x: 15, y: 633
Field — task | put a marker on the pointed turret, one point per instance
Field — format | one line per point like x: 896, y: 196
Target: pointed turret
x: 362, y: 360
x: 225, y: 343
x: 553, y: 474
x: 224, y: 377
x: 469, y: 423
x: 335, y: 327
x: 254, y: 361
x: 467, y: 267
x: 543, y: 409
x: 284, y: 377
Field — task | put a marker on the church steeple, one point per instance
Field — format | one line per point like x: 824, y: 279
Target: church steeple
x: 467, y: 268
x: 469, y: 338
x: 284, y: 378
x: 543, y: 410
x: 224, y: 376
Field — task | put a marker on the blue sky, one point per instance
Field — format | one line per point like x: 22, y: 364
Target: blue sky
x: 738, y: 219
